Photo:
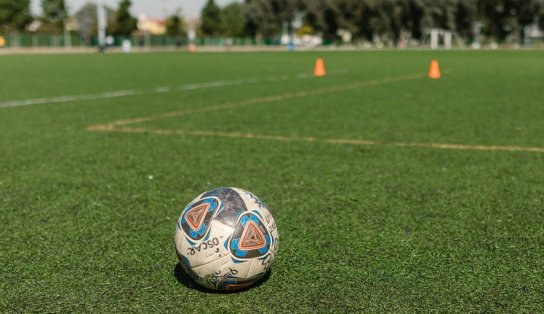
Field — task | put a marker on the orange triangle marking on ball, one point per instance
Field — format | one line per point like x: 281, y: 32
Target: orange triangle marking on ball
x: 252, y: 237
x: 195, y: 216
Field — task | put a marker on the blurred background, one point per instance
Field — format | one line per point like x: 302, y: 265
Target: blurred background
x: 170, y: 24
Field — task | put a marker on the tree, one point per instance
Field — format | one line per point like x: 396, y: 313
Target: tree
x: 87, y: 21
x: 389, y: 20
x: 329, y: 16
x: 55, y: 13
x: 212, y: 19
x: 383, y: 20
x: 268, y: 17
x: 465, y: 17
x: 175, y: 25
x: 14, y: 15
x: 261, y: 18
x: 504, y: 18
x: 234, y: 22
x: 125, y: 23
x: 413, y: 15
x: 528, y: 12
x: 541, y: 15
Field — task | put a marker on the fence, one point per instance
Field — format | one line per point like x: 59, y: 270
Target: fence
x: 34, y: 40
x: 41, y: 40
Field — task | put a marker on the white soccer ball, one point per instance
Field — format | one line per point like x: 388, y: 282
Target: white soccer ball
x: 226, y: 239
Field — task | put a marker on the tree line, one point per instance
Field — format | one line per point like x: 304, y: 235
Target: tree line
x: 16, y: 16
x: 374, y: 20
x: 386, y: 21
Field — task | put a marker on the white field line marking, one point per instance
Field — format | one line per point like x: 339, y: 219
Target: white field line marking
x: 284, y: 138
x: 121, y: 125
x: 156, y: 90
x: 258, y: 101
x: 61, y: 99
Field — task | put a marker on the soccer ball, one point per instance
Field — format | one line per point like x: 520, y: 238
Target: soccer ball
x: 226, y: 239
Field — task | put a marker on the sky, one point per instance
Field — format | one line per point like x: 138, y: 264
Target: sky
x: 151, y: 8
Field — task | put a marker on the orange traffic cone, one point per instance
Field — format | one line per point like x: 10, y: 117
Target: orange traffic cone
x: 434, y: 70
x: 319, y: 69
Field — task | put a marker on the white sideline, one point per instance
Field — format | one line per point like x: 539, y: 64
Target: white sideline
x: 156, y: 90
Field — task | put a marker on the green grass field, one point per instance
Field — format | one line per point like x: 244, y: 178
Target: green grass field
x: 392, y: 192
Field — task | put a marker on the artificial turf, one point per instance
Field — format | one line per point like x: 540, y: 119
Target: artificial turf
x: 88, y: 217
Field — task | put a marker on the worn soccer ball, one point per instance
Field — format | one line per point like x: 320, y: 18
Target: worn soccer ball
x: 226, y: 239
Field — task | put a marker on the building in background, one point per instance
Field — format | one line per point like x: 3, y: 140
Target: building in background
x: 151, y: 26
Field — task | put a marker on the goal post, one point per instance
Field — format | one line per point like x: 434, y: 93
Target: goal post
x: 102, y: 24
x: 437, y: 37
